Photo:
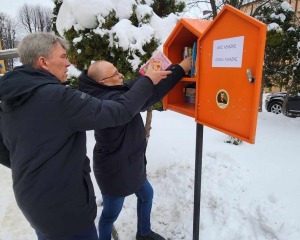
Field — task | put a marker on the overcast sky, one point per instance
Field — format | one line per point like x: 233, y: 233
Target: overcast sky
x: 11, y: 7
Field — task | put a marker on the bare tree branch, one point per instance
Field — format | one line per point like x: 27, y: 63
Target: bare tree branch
x: 35, y: 18
x: 8, y: 36
x: 258, y: 8
x: 196, y: 2
x: 48, y: 19
x: 25, y: 17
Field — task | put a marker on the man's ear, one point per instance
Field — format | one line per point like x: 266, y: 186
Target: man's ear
x: 42, y: 63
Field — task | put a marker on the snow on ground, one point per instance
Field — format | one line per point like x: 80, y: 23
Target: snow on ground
x: 249, y: 192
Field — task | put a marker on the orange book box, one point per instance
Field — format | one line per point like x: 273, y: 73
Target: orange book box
x: 230, y: 54
x: 186, y: 32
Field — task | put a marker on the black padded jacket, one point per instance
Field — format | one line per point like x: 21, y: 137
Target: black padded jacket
x: 43, y: 140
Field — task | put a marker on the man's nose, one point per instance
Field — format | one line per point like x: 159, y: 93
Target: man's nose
x: 67, y: 63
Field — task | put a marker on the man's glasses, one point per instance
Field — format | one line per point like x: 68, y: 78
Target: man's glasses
x: 117, y: 73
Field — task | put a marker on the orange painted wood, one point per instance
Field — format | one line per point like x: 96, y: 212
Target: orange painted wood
x: 186, y: 32
x: 239, y: 118
x: 183, y: 108
x: 188, y: 79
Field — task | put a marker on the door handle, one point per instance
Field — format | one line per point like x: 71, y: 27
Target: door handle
x: 251, y: 79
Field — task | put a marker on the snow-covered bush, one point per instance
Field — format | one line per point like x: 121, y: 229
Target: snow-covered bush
x: 125, y: 33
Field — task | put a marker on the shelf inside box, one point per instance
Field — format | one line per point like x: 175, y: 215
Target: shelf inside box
x: 185, y: 108
x: 185, y: 34
x: 188, y: 79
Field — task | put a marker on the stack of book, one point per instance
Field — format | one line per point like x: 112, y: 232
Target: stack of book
x: 190, y: 93
x: 187, y: 52
x: 190, y: 89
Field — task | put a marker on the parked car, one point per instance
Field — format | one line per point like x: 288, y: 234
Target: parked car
x: 274, y: 103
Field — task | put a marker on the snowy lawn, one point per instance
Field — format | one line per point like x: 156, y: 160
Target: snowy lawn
x: 249, y: 192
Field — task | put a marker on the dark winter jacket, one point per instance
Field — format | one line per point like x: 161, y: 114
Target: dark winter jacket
x: 43, y: 126
x: 119, y: 161
x: 4, y: 153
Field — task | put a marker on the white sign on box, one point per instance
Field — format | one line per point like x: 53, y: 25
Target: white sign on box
x: 228, y: 52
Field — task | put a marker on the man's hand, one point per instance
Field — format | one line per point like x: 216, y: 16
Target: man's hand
x: 186, y: 64
x: 155, y: 76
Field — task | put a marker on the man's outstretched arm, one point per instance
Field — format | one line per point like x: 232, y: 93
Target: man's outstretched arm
x: 165, y: 85
x: 82, y: 112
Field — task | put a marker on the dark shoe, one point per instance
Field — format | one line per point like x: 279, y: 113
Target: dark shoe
x: 151, y: 236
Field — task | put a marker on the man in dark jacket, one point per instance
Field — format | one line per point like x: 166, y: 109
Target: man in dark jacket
x: 119, y: 154
x: 43, y: 140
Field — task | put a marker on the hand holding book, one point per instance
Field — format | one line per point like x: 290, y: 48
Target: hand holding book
x: 160, y: 63
x: 186, y: 64
x: 155, y: 75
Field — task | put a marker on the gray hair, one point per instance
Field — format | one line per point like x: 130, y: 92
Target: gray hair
x: 36, y: 45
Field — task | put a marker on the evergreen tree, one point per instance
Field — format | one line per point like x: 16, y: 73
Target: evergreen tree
x: 95, y: 46
x: 57, y: 5
x: 164, y: 8
x: 87, y: 45
x: 281, y: 64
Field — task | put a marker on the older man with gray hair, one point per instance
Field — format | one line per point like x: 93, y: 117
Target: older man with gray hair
x: 43, y: 139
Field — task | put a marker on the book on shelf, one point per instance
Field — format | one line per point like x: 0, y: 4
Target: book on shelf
x: 194, y: 61
x: 190, y: 92
x: 160, y: 63
x: 187, y: 52
x: 190, y: 95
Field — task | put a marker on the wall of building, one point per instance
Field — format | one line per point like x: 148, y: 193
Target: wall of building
x: 2, y: 70
x: 273, y: 90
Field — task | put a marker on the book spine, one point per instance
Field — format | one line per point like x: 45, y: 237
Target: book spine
x: 185, y: 55
x: 190, y: 52
x: 194, y: 61
x: 186, y: 52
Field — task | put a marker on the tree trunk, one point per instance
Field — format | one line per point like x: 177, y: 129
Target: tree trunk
x: 287, y: 95
x: 261, y: 93
x: 148, y: 123
x: 213, y: 8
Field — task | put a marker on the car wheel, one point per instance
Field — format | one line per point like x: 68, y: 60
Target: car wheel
x: 276, y: 107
